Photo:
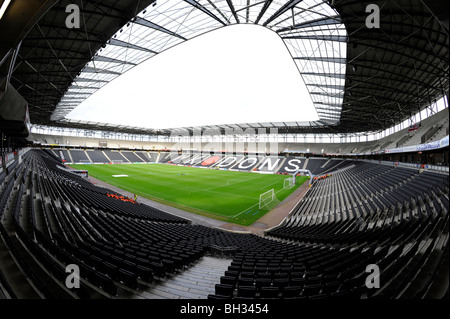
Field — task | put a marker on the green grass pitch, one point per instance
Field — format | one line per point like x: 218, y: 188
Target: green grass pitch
x: 225, y: 195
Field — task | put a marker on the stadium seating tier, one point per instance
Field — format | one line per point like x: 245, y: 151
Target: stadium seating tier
x: 365, y: 214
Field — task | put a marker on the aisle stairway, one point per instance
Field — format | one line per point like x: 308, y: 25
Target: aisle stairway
x: 197, y: 282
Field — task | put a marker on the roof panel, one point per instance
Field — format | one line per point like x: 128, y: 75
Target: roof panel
x: 366, y: 71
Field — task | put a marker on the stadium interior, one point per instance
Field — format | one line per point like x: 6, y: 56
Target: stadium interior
x: 378, y: 157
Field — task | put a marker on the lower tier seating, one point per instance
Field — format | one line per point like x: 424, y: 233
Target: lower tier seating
x: 369, y: 214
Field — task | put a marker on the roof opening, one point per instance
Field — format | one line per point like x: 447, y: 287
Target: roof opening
x: 237, y: 74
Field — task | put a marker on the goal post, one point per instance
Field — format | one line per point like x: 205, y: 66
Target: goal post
x: 289, y: 182
x: 117, y: 162
x: 266, y: 198
x: 304, y: 172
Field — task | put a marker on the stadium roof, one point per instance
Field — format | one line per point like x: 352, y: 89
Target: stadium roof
x: 360, y: 79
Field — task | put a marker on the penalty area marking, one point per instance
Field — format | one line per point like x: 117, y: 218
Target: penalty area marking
x: 237, y: 181
x: 248, y: 209
x: 119, y: 175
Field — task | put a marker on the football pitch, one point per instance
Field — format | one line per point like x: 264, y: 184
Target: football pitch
x: 225, y: 195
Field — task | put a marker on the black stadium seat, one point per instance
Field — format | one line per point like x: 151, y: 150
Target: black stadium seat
x: 269, y: 292
x: 127, y: 278
x: 224, y: 290
x: 246, y: 291
x: 292, y: 291
x: 228, y: 280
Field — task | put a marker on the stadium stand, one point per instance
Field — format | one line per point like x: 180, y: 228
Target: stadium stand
x: 368, y: 189
x: 115, y: 156
x: 149, y: 157
x: 97, y: 156
x: 144, y: 156
x: 402, y: 138
x: 131, y: 157
x: 368, y: 213
x: 210, y: 161
x: 370, y: 90
x: 229, y: 161
x: 79, y: 156
x: 316, y: 165
x: 165, y: 157
x: 270, y: 164
x: 248, y: 163
x: 441, y: 132
x: 398, y: 139
x: 396, y: 211
x: 63, y: 155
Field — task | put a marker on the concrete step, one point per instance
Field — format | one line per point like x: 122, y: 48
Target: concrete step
x: 196, y: 282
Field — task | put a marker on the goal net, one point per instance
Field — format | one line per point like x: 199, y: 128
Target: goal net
x: 117, y: 162
x: 268, y: 200
x: 289, y: 183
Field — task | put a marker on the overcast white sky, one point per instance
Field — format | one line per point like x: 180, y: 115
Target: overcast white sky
x: 237, y: 74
